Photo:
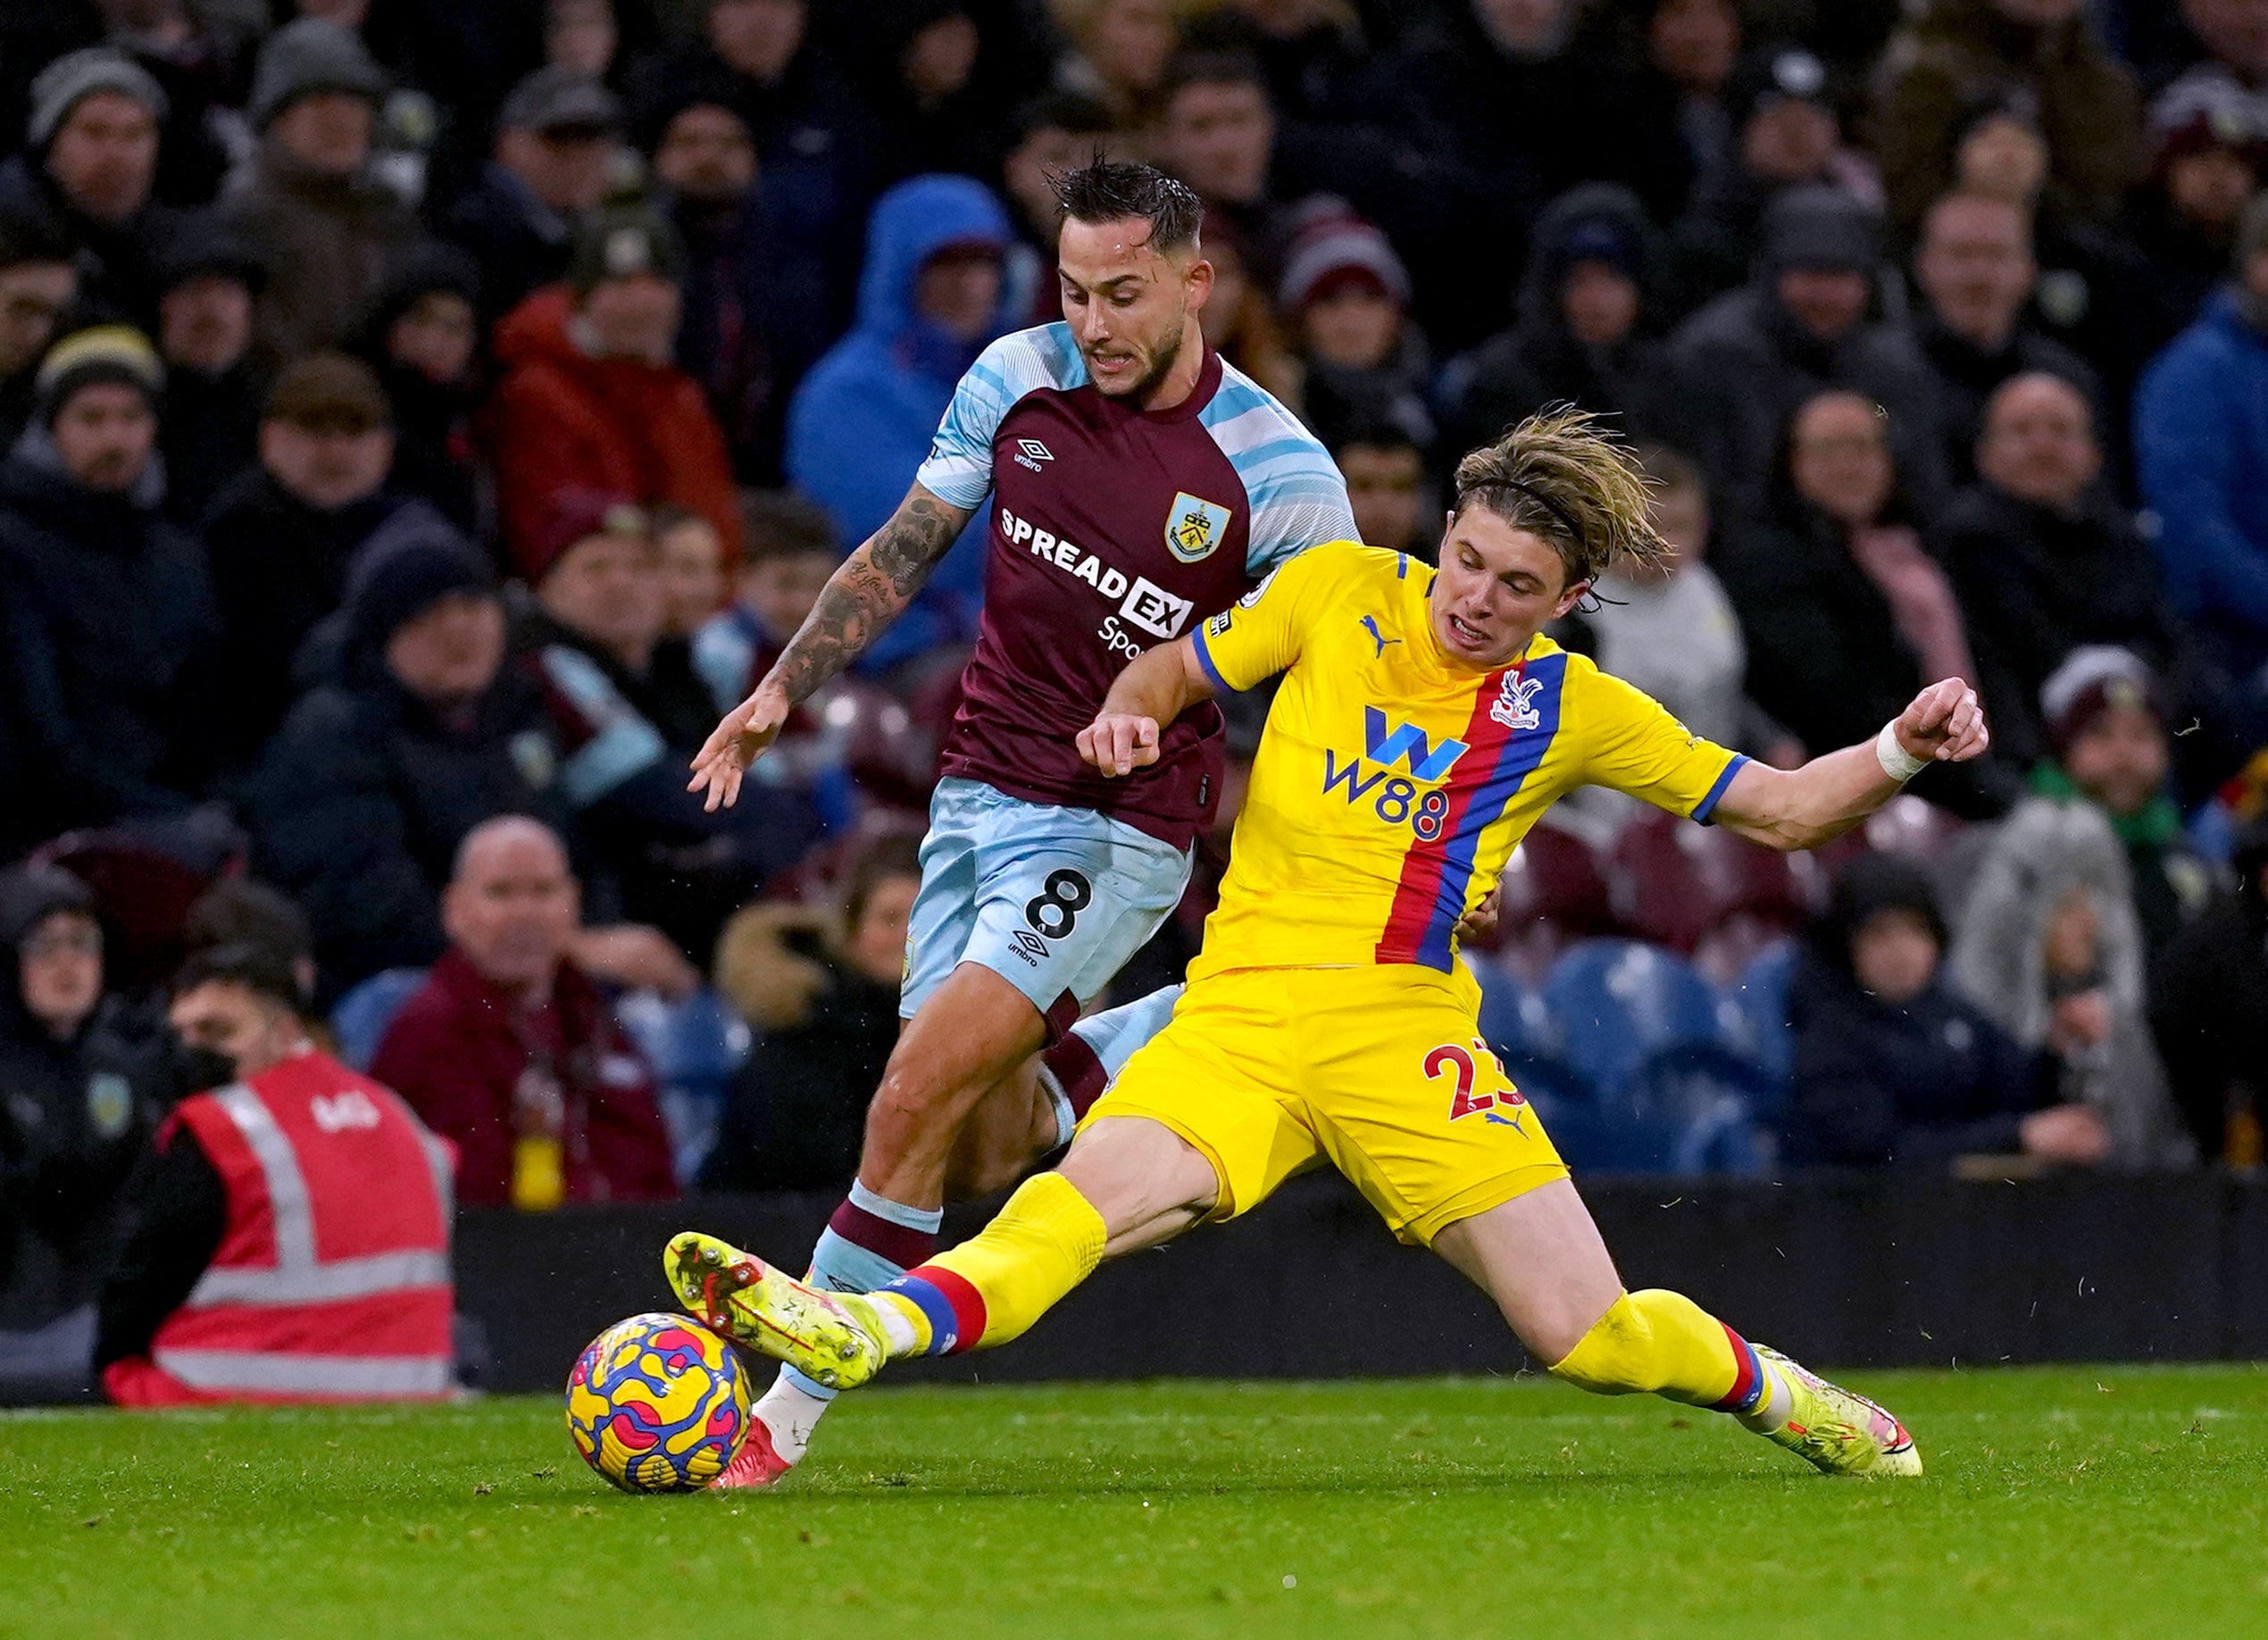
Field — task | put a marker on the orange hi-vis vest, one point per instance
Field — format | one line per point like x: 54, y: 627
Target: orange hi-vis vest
x: 332, y: 1280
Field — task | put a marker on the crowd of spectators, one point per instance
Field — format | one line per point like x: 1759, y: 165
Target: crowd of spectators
x: 421, y: 421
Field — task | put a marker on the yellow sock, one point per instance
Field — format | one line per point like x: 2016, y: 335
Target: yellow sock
x: 1665, y: 1344
x: 992, y: 1287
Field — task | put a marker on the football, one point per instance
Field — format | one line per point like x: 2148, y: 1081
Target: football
x: 658, y: 1404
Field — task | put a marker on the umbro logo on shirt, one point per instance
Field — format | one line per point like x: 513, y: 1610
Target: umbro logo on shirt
x: 1030, y: 452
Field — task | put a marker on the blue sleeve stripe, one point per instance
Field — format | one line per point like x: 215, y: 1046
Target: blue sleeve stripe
x: 1205, y: 659
x: 1707, y: 806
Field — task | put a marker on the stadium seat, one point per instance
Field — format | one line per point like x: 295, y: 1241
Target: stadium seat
x: 1616, y: 1004
x: 1515, y: 1022
x: 145, y: 876
x: 1704, y: 892
x: 1759, y: 995
x: 1553, y: 893
x: 695, y: 1048
x: 361, y: 1016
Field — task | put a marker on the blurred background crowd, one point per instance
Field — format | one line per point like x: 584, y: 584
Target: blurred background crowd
x: 422, y: 413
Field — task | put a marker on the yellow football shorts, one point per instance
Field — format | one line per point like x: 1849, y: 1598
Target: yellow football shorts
x: 1270, y: 1071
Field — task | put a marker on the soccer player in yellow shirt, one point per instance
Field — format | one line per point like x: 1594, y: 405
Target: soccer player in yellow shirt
x: 1423, y: 726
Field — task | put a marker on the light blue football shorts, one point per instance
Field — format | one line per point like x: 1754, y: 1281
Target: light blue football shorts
x: 1052, y: 900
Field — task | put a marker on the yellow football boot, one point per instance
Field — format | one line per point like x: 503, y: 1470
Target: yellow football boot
x: 831, y: 1338
x: 1842, y: 1433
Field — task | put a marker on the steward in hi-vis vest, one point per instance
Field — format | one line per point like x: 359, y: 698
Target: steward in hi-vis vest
x: 294, y: 1238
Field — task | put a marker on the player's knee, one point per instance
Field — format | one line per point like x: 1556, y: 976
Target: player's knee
x: 1616, y: 1357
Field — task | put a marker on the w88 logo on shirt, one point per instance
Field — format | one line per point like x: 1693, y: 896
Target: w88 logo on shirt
x: 1414, y: 799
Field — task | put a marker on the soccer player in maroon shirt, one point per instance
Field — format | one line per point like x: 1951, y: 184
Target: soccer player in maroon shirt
x: 1139, y: 485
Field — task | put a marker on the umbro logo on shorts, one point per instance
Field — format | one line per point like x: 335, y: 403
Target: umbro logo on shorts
x: 1030, y: 946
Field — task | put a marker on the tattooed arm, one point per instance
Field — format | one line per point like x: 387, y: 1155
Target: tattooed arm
x: 861, y: 597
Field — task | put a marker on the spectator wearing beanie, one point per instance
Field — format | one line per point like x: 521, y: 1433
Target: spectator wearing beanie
x: 1783, y: 112
x: 588, y: 395
x: 109, y: 615
x: 863, y: 419
x: 629, y: 713
x: 1745, y: 361
x: 1584, y: 328
x: 1347, y: 296
x: 2201, y: 461
x: 1893, y: 1068
x: 2088, y: 109
x: 423, y: 339
x: 210, y: 427
x: 282, y: 537
x: 759, y: 289
x: 329, y: 230
x: 82, y: 1086
x: 38, y: 285
x: 2208, y: 155
x: 804, y: 115
x: 596, y: 577
x: 88, y: 167
x: 550, y: 166
x: 362, y: 798
x: 2104, y: 712
x: 2044, y: 557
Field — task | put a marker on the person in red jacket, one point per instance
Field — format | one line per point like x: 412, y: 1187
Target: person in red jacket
x: 509, y: 1050
x: 587, y: 396
x: 292, y: 1235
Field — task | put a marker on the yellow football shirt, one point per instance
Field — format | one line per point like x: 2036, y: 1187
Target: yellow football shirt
x: 1392, y: 785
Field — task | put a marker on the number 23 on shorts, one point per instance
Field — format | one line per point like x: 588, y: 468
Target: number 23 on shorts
x: 1459, y: 1061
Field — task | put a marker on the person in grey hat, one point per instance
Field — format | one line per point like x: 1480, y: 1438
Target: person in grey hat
x: 1747, y: 359
x: 328, y: 229
x: 554, y: 154
x: 88, y: 169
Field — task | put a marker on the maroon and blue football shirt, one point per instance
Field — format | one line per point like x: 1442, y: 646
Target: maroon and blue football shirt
x: 1113, y: 529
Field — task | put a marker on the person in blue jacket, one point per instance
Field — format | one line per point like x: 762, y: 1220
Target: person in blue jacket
x: 2201, y: 453
x: 935, y: 290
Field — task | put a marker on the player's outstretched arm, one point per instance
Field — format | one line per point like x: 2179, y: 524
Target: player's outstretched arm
x: 1803, y: 808
x: 1156, y: 687
x: 861, y: 598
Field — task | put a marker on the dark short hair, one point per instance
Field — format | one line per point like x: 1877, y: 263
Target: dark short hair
x: 1107, y: 190
x: 891, y: 853
x: 259, y: 969
x: 1670, y: 469
x: 1061, y: 111
x: 328, y: 393
x: 1214, y: 67
x: 784, y: 524
x: 246, y: 911
x: 1377, y: 432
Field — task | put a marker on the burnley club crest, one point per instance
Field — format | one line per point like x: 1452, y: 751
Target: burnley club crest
x: 1195, y: 528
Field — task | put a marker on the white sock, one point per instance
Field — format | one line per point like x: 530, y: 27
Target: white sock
x: 790, y: 1414
x: 1774, y: 1406
x: 1066, y: 1120
x: 898, y: 1330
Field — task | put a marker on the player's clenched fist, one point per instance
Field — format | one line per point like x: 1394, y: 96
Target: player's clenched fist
x: 1119, y: 742
x: 734, y: 744
x: 1946, y: 724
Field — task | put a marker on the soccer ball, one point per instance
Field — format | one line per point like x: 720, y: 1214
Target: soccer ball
x: 658, y: 1404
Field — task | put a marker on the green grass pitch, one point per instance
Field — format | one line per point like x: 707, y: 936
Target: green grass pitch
x: 2060, y: 1500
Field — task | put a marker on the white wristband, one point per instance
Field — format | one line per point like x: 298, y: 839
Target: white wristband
x: 1900, y: 764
